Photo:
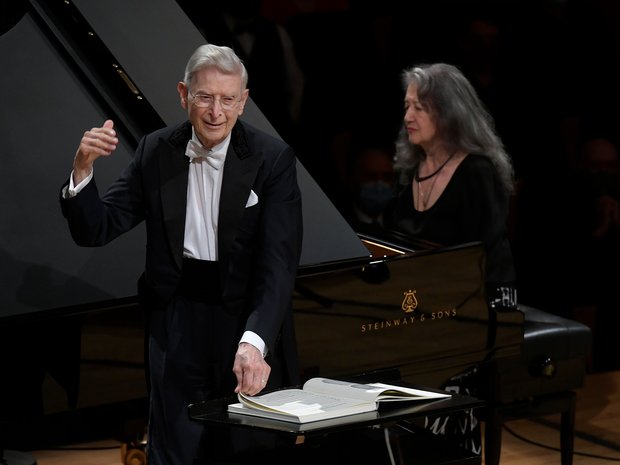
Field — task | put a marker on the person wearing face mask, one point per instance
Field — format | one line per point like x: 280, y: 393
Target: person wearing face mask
x: 371, y: 186
x: 224, y: 229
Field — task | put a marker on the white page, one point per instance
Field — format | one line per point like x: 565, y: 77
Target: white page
x: 368, y: 392
x: 299, y: 402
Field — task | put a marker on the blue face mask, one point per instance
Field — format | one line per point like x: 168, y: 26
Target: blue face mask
x: 373, y: 197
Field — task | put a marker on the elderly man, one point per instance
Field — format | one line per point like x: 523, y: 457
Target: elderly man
x: 223, y: 222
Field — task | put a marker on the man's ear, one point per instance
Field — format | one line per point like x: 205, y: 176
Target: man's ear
x: 182, y: 89
x: 244, y: 98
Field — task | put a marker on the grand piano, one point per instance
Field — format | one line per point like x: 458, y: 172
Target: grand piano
x: 382, y: 306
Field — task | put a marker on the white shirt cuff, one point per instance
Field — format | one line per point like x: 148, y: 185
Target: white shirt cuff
x: 71, y: 190
x: 254, y: 339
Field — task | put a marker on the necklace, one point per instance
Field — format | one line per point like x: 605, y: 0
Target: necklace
x: 419, y: 178
x: 423, y: 199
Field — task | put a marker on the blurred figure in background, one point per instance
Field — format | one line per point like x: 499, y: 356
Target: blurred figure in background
x: 593, y: 229
x: 370, y: 186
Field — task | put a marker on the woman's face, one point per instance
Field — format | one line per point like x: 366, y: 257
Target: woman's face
x: 419, y: 122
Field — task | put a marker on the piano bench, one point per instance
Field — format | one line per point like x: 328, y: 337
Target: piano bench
x: 539, y: 381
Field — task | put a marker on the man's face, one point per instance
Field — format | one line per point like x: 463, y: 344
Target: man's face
x: 222, y: 98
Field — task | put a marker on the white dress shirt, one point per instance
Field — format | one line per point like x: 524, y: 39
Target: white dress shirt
x: 206, y: 170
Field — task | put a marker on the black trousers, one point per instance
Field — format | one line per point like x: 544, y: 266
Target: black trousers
x: 191, y: 349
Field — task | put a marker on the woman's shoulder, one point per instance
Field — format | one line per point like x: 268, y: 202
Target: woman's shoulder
x: 477, y: 160
x: 478, y: 172
x: 478, y: 165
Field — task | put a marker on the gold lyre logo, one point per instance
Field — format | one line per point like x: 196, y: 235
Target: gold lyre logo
x: 410, y: 303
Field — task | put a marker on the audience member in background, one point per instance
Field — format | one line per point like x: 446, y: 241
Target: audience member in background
x: 370, y: 186
x: 457, y: 182
x: 593, y: 230
x: 600, y: 166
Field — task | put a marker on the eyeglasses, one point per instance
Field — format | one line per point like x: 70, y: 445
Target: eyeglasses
x: 207, y: 101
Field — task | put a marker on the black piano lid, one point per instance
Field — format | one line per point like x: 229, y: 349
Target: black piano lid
x: 67, y: 67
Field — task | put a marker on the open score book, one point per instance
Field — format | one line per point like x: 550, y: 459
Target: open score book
x: 323, y: 398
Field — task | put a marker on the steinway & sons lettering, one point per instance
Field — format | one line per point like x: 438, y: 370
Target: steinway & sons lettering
x: 407, y: 320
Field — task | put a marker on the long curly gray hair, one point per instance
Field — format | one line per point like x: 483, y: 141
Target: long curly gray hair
x: 461, y: 119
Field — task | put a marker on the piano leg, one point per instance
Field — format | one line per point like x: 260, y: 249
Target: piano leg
x: 567, y: 430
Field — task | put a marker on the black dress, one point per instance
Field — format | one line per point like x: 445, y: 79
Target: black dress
x: 473, y: 207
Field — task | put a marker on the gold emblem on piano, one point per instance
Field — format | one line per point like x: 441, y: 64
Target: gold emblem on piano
x: 410, y: 303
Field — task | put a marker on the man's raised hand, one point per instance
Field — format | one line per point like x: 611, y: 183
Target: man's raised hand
x: 95, y: 143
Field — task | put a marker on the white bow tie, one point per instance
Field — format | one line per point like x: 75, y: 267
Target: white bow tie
x: 214, y: 158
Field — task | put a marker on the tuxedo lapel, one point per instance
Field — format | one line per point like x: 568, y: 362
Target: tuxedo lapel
x: 174, y: 168
x: 240, y: 169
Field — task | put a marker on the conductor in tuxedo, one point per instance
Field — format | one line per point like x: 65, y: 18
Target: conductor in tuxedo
x: 224, y: 228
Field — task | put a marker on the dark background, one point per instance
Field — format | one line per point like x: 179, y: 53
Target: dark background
x: 546, y: 70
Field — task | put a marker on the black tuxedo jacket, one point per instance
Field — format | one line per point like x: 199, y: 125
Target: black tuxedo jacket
x: 258, y: 246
